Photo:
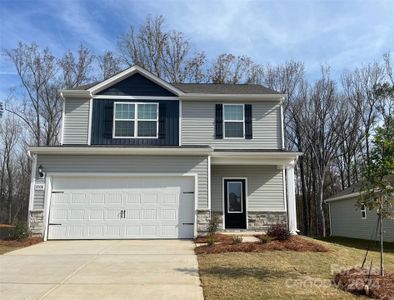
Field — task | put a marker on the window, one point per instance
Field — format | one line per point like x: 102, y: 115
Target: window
x: 234, y: 197
x: 363, y: 212
x: 234, y: 121
x: 135, y: 120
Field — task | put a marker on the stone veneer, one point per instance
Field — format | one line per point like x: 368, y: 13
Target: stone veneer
x: 36, y: 222
x: 261, y: 221
x: 257, y: 221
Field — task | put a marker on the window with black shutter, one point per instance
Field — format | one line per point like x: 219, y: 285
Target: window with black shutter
x: 248, y: 122
x: 219, y: 121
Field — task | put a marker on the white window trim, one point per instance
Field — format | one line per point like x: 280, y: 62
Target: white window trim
x: 242, y: 196
x: 363, y: 212
x: 234, y: 121
x: 135, y: 120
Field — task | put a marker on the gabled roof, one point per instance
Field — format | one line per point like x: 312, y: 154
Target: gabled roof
x: 185, y: 91
x: 178, y: 88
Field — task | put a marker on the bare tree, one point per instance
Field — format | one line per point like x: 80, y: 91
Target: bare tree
x: 109, y: 64
x: 41, y: 76
x: 228, y: 68
x: 10, y: 176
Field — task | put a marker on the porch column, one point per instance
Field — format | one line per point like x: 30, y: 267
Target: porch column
x: 291, y: 200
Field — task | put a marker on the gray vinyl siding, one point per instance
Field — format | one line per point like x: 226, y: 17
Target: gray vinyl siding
x: 76, y: 122
x: 264, y: 187
x: 346, y: 221
x: 128, y: 164
x: 198, y: 125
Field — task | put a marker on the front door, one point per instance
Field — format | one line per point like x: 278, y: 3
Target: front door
x: 234, y: 203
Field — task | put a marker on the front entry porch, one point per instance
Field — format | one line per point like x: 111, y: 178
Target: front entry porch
x: 251, y: 197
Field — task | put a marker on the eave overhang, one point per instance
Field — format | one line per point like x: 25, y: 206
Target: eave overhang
x: 254, y: 158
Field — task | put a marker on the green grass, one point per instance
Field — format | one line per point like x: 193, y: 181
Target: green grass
x: 282, y: 274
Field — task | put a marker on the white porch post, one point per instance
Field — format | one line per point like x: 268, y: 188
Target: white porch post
x: 291, y: 200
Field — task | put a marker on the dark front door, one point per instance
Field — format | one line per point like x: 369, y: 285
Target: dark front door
x: 234, y: 203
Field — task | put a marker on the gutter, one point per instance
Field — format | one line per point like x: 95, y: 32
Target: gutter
x: 119, y: 151
x: 342, y: 197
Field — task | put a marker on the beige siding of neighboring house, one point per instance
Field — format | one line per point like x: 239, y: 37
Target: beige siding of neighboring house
x: 198, y: 125
x: 127, y: 164
x: 264, y: 187
x: 346, y: 221
x: 76, y: 122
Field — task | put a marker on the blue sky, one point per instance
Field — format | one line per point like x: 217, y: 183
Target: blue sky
x: 343, y: 34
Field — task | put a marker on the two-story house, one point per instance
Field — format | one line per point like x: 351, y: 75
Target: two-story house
x: 143, y: 158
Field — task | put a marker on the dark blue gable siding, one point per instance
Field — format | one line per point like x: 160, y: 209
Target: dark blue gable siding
x: 136, y: 85
x: 102, y: 122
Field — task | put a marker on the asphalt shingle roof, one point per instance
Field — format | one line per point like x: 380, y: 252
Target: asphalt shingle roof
x: 208, y: 88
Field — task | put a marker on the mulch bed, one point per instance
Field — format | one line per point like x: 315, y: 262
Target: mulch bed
x: 356, y: 281
x: 22, y: 243
x: 294, y: 243
x: 221, y: 238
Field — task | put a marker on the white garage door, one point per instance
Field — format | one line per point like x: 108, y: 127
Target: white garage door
x: 121, y: 208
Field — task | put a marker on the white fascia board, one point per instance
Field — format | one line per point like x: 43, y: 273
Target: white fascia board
x: 254, y: 158
x: 119, y: 151
x: 129, y: 72
x: 343, y: 197
x: 233, y: 97
x: 286, y: 155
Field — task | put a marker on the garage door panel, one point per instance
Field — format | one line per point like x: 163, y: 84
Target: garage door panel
x: 113, y: 198
x: 90, y: 208
x: 97, y: 198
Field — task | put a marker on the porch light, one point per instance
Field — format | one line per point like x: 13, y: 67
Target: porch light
x: 41, y: 173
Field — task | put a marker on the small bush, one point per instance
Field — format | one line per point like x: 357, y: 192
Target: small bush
x: 237, y: 239
x: 20, y: 232
x: 265, y: 239
x: 213, y: 224
x: 279, y: 231
x: 210, y: 240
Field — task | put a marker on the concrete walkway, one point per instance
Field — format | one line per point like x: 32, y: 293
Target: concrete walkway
x: 143, y: 269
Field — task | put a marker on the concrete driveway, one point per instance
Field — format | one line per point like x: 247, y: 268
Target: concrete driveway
x: 139, y: 269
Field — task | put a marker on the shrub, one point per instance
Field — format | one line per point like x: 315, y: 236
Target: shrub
x: 210, y: 240
x: 265, y: 239
x: 237, y: 239
x: 279, y: 231
x: 20, y: 232
x: 213, y: 224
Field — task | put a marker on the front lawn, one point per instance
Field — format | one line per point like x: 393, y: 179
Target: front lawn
x: 281, y: 274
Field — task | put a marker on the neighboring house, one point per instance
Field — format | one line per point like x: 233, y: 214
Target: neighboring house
x: 349, y: 220
x: 142, y: 158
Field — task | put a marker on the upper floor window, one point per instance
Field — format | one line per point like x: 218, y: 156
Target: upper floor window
x: 135, y: 120
x: 234, y: 120
x: 363, y: 212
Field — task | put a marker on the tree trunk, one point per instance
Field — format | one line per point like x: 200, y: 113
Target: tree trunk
x: 321, y: 217
x: 304, y: 200
x: 381, y: 242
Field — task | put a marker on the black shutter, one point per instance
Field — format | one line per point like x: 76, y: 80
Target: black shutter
x: 108, y: 119
x: 248, y: 122
x: 162, y: 120
x: 219, y: 121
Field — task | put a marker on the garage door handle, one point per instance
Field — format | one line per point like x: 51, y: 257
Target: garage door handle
x: 56, y: 224
x: 187, y: 223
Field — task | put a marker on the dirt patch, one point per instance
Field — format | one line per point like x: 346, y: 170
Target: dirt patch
x: 221, y: 238
x: 357, y: 281
x: 294, y: 243
x: 22, y: 243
